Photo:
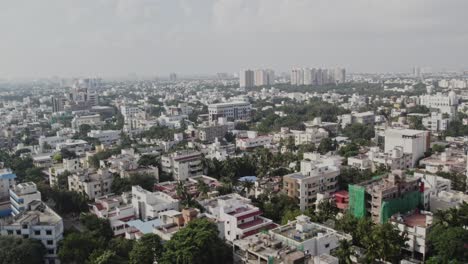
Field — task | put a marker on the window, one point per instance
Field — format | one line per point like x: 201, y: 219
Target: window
x: 37, y: 232
x: 327, y: 245
x: 50, y: 242
x: 25, y: 236
x: 18, y: 232
x: 10, y: 232
x: 48, y: 232
x: 50, y: 251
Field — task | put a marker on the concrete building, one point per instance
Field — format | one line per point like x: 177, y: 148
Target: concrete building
x: 300, y: 241
x: 183, y: 164
x: 118, y: 209
x: 444, y: 200
x: 381, y: 198
x: 92, y: 120
x: 396, y: 159
x: 451, y: 160
x: 231, y: 110
x: 238, y: 216
x: 7, y: 181
x: 445, y: 103
x: 416, y: 225
x: 106, y: 137
x: 365, y: 118
x: 21, y: 195
x: 79, y: 146
x: 93, y: 184
x: 253, y: 140
x: 247, y: 79
x: 69, y: 165
x: 414, y: 142
x: 209, y: 133
x: 436, y: 122
x: 37, y: 222
x: 264, y: 77
x: 318, y: 174
x: 148, y: 205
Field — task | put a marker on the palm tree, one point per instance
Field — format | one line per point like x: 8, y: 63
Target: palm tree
x: 247, y: 186
x: 344, y: 252
x: 203, y: 188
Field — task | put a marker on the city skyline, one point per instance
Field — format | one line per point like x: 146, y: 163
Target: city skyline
x: 117, y: 38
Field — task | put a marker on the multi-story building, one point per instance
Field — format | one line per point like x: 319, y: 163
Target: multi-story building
x: 436, y: 122
x: 416, y: 226
x: 238, y: 216
x: 7, y: 181
x: 230, y: 110
x: 115, y: 208
x: 318, y: 174
x: 247, y: 79
x: 93, y: 184
x: 38, y: 222
x: 396, y: 159
x: 79, y: 146
x: 414, y: 142
x: 307, y: 76
x: 209, y: 133
x: 106, y: 137
x: 311, y: 135
x: 445, y: 103
x: 451, y: 160
x: 365, y: 118
x: 148, y: 205
x: 21, y: 195
x: 263, y: 77
x: 183, y: 164
x: 253, y: 140
x: 92, y: 120
x: 381, y: 198
x: 300, y: 241
x: 67, y: 165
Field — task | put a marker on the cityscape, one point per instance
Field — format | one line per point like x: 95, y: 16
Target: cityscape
x: 121, y: 145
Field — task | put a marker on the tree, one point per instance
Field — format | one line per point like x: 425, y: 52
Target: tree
x: 21, y: 251
x: 385, y: 243
x: 148, y: 160
x: 96, y: 226
x: 438, y: 148
x: 76, y: 247
x: 146, y: 250
x: 326, y: 145
x: 105, y: 257
x: 358, y: 131
x: 197, y: 243
x: 344, y: 252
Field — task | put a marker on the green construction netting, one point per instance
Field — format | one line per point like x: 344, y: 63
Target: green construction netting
x: 271, y: 260
x: 357, y: 200
x: 405, y: 203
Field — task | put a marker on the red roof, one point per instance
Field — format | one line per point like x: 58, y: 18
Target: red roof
x: 249, y: 215
x: 253, y: 232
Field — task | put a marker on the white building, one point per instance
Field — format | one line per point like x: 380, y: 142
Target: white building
x: 21, y: 195
x: 93, y: 184
x: 445, y: 103
x: 92, y: 120
x: 263, y: 77
x: 396, y: 159
x: 148, y: 205
x: 230, y: 110
x: 436, y: 122
x: 183, y: 164
x: 115, y: 208
x: 414, y: 142
x: 238, y: 216
x: 70, y: 165
x: 79, y: 146
x: 38, y: 222
x: 106, y: 137
x: 253, y: 140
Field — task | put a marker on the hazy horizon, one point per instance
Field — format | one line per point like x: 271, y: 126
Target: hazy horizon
x: 154, y: 37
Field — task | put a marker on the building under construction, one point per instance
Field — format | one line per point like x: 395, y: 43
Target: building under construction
x: 380, y: 198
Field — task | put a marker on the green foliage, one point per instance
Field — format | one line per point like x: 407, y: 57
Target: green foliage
x: 415, y: 122
x: 77, y: 247
x: 458, y: 180
x: 149, y: 160
x: 418, y: 109
x: 359, y: 131
x: 146, y: 250
x: 105, y: 257
x: 21, y: 251
x: 326, y: 145
x: 438, y: 148
x: 103, y: 155
x: 161, y: 132
x: 97, y: 227
x: 63, y: 201
x: 146, y: 181
x: 275, y: 206
x: 350, y: 150
x: 197, y: 243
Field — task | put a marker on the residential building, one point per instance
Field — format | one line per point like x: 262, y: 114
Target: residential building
x: 300, y: 241
x: 148, y: 205
x: 106, y: 137
x: 318, y: 174
x: 451, y: 160
x: 7, y: 181
x: 380, y: 198
x: 209, y: 133
x: 247, y: 79
x: 264, y: 77
x: 396, y: 159
x: 444, y: 200
x: 253, y: 140
x: 445, y: 103
x: 118, y: 209
x: 436, y: 122
x: 414, y: 142
x: 92, y: 120
x: 93, y: 184
x: 67, y: 165
x: 231, y: 110
x: 38, y: 222
x: 183, y: 164
x: 79, y: 146
x: 365, y: 118
x: 21, y: 195
x: 173, y: 221
x: 416, y: 225
x: 239, y: 217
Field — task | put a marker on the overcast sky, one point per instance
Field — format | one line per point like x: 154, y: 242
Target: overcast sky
x: 42, y: 38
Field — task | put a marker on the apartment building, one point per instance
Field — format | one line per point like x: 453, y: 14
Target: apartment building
x: 253, y: 140
x: 38, y: 222
x: 118, y: 209
x: 234, y: 111
x: 414, y: 142
x: 396, y: 159
x: 239, y: 218
x: 67, y: 165
x: 317, y: 175
x: 93, y: 184
x: 148, y: 205
x: 92, y: 120
x: 381, y: 198
x: 106, y: 137
x: 446, y: 103
x: 209, y: 133
x: 7, y: 181
x: 22, y: 195
x: 183, y: 164
x: 436, y: 122
x: 365, y: 118
x: 79, y: 146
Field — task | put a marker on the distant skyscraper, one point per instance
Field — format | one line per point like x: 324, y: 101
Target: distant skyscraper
x: 57, y: 104
x: 307, y: 76
x: 246, y: 79
x: 340, y: 75
x: 264, y: 77
x: 173, y: 77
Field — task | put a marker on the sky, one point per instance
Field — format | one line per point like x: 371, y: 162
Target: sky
x: 71, y: 38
